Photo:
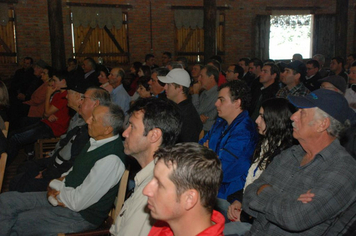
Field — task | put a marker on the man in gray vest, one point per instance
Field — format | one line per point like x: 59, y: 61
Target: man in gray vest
x: 82, y: 198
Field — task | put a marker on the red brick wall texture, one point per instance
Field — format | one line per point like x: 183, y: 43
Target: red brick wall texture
x: 33, y: 34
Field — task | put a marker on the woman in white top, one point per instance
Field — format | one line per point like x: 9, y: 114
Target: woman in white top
x: 275, y: 127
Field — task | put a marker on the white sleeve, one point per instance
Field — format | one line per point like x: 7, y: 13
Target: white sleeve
x: 104, y: 175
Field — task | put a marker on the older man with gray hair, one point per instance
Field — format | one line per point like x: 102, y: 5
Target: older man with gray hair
x: 306, y: 187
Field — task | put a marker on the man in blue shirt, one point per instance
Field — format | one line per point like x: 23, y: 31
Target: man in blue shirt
x: 233, y: 136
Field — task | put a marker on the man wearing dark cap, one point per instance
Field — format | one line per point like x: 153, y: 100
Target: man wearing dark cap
x: 309, y: 185
x: 293, y: 77
x: 334, y: 83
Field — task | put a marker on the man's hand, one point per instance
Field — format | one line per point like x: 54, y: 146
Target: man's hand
x: 306, y: 197
x: 50, y: 90
x: 262, y: 187
x: 234, y: 211
x: 52, y: 118
x: 196, y: 88
x: 206, y: 144
x: 203, y: 118
x: 39, y: 176
x: 54, y: 193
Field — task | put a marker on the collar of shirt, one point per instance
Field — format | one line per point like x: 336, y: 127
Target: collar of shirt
x: 117, y: 89
x: 89, y: 73
x: 95, y: 144
x: 309, y: 77
x: 146, y: 172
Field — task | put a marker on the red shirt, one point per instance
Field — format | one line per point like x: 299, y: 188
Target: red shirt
x: 59, y: 126
x: 161, y: 228
x: 222, y: 79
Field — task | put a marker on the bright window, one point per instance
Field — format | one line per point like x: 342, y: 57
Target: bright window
x: 290, y: 34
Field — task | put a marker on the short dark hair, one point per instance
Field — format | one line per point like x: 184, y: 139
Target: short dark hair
x: 136, y: 65
x: 185, y: 90
x: 104, y: 69
x: 238, y: 90
x: 168, y: 54
x: 274, y: 69
x: 91, y: 62
x: 238, y: 69
x: 29, y: 58
x: 161, y: 71
x: 193, y: 167
x: 72, y: 60
x: 144, y: 82
x: 212, y: 71
x: 148, y: 56
x: 215, y: 63
x: 313, y: 62
x: 257, y: 62
x: 184, y: 60
x: 159, y: 113
x: 339, y: 60
x: 246, y: 60
x: 114, y: 118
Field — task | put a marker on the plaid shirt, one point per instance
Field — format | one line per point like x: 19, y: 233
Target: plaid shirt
x: 330, y: 176
x: 299, y: 90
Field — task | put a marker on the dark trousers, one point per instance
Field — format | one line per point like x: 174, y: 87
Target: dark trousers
x: 26, y: 136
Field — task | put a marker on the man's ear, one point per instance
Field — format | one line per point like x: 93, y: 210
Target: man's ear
x: 191, y: 198
x: 237, y: 103
x: 323, y: 125
x: 155, y: 135
x: 96, y: 103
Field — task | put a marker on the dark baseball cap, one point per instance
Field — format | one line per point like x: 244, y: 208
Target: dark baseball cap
x: 336, y: 80
x: 329, y: 101
x: 76, y: 86
x: 298, y: 66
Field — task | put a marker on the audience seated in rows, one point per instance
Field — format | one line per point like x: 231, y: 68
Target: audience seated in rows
x: 54, y: 125
x: 82, y: 198
x: 35, y: 175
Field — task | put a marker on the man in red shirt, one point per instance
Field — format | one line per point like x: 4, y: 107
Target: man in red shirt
x: 55, y: 121
x: 183, y: 191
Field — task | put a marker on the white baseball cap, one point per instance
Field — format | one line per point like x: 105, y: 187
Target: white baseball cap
x: 178, y: 76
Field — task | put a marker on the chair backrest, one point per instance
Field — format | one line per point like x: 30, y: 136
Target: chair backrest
x: 120, y: 194
x: 3, y: 159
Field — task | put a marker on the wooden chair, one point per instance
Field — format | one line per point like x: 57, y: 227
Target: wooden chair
x: 44, y: 146
x: 3, y: 159
x: 104, y: 228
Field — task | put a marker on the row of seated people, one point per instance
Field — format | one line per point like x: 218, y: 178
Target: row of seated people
x: 155, y: 123
x: 233, y: 117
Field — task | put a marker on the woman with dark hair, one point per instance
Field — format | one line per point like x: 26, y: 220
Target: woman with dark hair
x: 103, y: 78
x: 275, y: 127
x: 37, y: 101
x: 143, y: 88
x: 144, y: 71
x: 131, y: 83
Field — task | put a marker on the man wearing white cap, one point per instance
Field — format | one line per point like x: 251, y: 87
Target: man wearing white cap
x: 177, y: 89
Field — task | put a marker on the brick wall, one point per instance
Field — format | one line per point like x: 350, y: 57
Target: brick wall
x: 33, y: 35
